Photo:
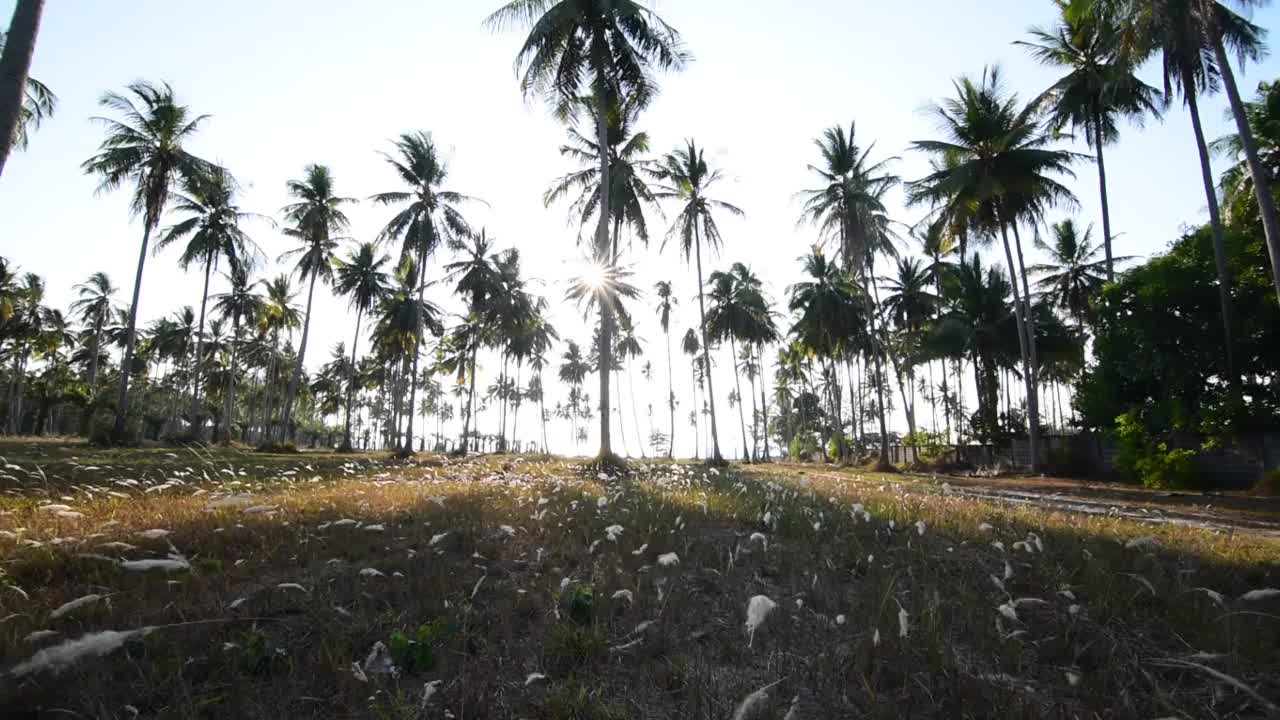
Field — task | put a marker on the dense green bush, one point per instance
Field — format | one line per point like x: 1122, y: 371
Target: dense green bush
x: 1141, y: 458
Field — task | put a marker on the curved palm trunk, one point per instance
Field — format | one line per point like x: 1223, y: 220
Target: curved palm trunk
x: 1102, y: 189
x: 515, y: 408
x: 622, y: 426
x: 131, y: 336
x: 737, y: 382
x: 693, y: 379
x: 93, y: 361
x: 1261, y: 184
x: 879, y: 378
x: 1033, y: 382
x: 471, y: 404
x: 228, y: 400
x: 417, y: 350
x: 287, y: 417
x: 197, y: 364
x: 1020, y: 318
x: 755, y: 413
x: 351, y: 381
x: 15, y: 64
x: 1219, y: 238
x: 671, y: 399
x: 706, y: 353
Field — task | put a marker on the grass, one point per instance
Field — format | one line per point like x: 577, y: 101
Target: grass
x: 498, y: 585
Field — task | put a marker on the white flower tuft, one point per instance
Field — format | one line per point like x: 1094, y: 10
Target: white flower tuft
x: 668, y: 559
x: 61, y: 656
x: 533, y: 678
x: 74, y: 605
x: 613, y: 532
x: 1260, y: 594
x: 437, y: 539
x: 758, y: 608
x: 753, y: 705
x: 904, y: 626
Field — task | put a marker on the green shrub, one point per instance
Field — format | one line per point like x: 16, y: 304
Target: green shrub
x: 802, y: 446
x: 419, y: 652
x: 929, y: 445
x: 577, y: 601
x: 277, y: 448
x: 1141, y: 458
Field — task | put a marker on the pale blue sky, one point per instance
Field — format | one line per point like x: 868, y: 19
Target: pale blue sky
x: 290, y: 83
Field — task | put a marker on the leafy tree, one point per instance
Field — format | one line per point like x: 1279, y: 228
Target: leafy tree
x: 1001, y: 161
x: 144, y: 148
x: 93, y: 307
x: 1099, y: 87
x: 243, y: 305
x: 316, y: 217
x: 687, y: 179
x: 615, y: 43
x: 213, y: 234
x: 361, y: 279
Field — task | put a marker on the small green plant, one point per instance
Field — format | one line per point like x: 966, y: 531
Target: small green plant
x: 569, y: 646
x: 259, y: 654
x: 418, y: 652
x: 577, y: 601
x: 929, y: 445
x: 575, y: 702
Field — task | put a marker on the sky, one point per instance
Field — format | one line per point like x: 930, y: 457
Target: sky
x: 289, y: 83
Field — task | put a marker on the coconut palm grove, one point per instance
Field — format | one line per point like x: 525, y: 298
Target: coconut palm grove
x: 973, y: 452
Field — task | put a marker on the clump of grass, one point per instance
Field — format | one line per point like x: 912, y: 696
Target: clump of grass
x: 417, y: 653
x: 577, y: 602
x: 574, y: 701
x: 569, y: 646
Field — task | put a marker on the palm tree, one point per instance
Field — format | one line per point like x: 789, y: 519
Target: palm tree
x: 94, y: 308
x: 16, y: 48
x: 402, y: 317
x: 316, y: 216
x: 573, y: 371
x: 688, y: 178
x: 478, y: 281
x: 829, y: 319
x: 909, y: 306
x: 628, y: 349
x: 1188, y: 35
x: 429, y: 218
x: 615, y: 42
x: 849, y: 207
x: 360, y: 278
x: 666, y: 301
x: 243, y: 305
x: 627, y: 171
x: 213, y: 234
x: 1002, y: 162
x: 1099, y: 88
x: 1073, y: 275
x: 145, y: 148
x: 1238, y: 194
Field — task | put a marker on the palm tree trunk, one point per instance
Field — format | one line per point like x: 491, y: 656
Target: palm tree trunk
x: 1261, y: 183
x: 542, y: 417
x: 196, y: 426
x: 764, y: 404
x: 879, y: 375
x: 1106, y: 208
x: 693, y: 379
x: 737, y: 382
x: 93, y: 361
x: 706, y: 352
x: 1219, y: 238
x: 671, y: 399
x: 1019, y: 318
x: 622, y: 426
x: 15, y: 64
x: 131, y: 332
x: 604, y: 354
x: 228, y: 400
x: 635, y: 420
x: 856, y: 404
x: 1033, y: 382
x: 471, y: 404
x: 515, y: 410
x: 288, y: 429
x: 755, y: 411
x: 351, y: 381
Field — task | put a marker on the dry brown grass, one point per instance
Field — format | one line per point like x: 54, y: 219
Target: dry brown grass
x: 507, y: 560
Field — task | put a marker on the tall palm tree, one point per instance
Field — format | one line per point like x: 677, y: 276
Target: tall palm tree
x: 1098, y: 89
x: 144, y: 148
x: 614, y: 43
x: 849, y: 208
x: 738, y: 314
x: 628, y: 170
x: 478, y: 281
x: 666, y: 302
x: 94, y: 308
x: 243, y: 305
x: 628, y: 349
x: 316, y: 217
x: 428, y: 219
x: 909, y: 305
x: 360, y: 278
x: 403, y: 317
x: 1003, y: 162
x: 279, y: 313
x: 573, y: 372
x: 16, y: 49
x: 1188, y: 35
x: 687, y: 179
x: 213, y: 234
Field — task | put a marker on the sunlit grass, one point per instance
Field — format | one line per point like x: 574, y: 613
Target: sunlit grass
x: 543, y: 568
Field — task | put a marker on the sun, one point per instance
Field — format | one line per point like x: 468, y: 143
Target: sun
x: 594, y: 275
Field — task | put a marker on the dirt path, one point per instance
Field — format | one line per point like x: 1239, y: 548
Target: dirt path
x: 1211, y: 511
